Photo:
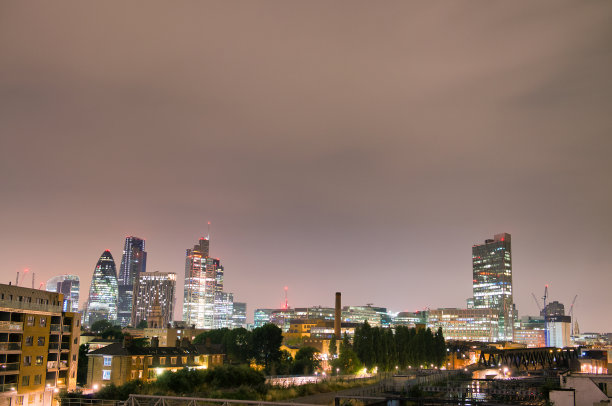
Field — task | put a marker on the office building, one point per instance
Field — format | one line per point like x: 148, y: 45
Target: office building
x: 464, y: 324
x: 205, y: 304
x: 151, y: 289
x: 69, y: 286
x: 558, y: 331
x: 102, y: 301
x: 133, y: 263
x: 39, y: 345
x: 239, y: 315
x: 492, y: 282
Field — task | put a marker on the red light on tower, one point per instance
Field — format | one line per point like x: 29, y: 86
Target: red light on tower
x: 503, y: 239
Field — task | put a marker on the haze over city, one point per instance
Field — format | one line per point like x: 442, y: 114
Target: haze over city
x: 361, y: 149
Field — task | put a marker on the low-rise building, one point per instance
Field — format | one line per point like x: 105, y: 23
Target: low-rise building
x: 120, y: 362
x: 465, y: 324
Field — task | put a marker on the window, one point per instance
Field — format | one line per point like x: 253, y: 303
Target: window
x: 37, y: 379
x: 27, y: 360
x: 108, y: 361
x: 196, y: 359
x: 75, y: 340
x: 173, y: 360
x: 184, y: 360
x: 43, y: 322
x: 41, y: 341
x: 106, y: 375
x: 30, y: 321
x: 25, y: 380
x: 150, y: 360
x: 29, y: 340
x: 74, y: 357
x: 39, y: 359
x: 140, y: 374
x: 19, y: 400
x: 162, y: 360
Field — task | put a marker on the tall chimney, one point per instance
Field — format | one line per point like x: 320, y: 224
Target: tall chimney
x: 338, y: 316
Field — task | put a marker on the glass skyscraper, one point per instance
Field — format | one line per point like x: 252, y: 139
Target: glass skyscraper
x: 102, y: 302
x: 69, y: 285
x: 204, y: 304
x: 133, y: 263
x: 492, y: 282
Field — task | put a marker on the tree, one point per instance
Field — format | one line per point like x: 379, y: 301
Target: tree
x: 142, y: 324
x: 237, y: 344
x: 82, y: 365
x: 100, y: 325
x: 306, y: 361
x: 266, y: 345
x: 333, y: 347
x: 216, y: 336
x: 113, y: 333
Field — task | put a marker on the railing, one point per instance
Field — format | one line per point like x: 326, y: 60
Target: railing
x: 146, y: 400
x: 63, y: 364
x: 10, y: 346
x: 51, y: 364
x: 66, y: 329
x: 9, y: 366
x: 66, y: 346
x: 55, y: 327
x: 15, y: 304
x: 7, y: 387
x: 54, y: 345
x: 89, y: 402
x: 11, y: 325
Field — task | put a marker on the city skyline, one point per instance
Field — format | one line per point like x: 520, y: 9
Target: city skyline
x: 361, y: 149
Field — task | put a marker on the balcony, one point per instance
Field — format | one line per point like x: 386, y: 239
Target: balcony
x: 51, y: 364
x: 63, y: 364
x: 55, y: 328
x: 10, y: 347
x: 11, y: 326
x: 66, y: 329
x: 65, y: 346
x: 7, y: 387
x: 15, y: 304
x: 54, y: 346
x: 9, y: 367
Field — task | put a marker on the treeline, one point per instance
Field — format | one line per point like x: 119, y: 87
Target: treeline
x: 261, y: 346
x: 385, y: 349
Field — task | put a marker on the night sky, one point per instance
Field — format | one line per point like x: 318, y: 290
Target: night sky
x: 358, y: 146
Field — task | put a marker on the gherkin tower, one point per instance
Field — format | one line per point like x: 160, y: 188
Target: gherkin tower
x: 102, y: 302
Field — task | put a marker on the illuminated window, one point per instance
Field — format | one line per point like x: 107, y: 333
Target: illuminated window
x: 173, y: 360
x: 39, y: 359
x: 43, y: 322
x: 106, y: 375
x: 108, y: 361
x: 162, y: 360
x: 30, y: 321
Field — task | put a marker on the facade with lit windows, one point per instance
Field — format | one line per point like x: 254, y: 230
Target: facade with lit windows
x: 465, y: 324
x: 69, y: 286
x: 492, y: 282
x: 239, y: 312
x: 151, y: 289
x: 133, y: 263
x: 205, y: 305
x: 103, y: 291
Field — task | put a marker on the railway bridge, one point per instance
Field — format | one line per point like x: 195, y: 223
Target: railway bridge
x: 529, y: 358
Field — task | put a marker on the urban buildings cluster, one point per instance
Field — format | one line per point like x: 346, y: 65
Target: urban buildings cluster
x: 134, y: 296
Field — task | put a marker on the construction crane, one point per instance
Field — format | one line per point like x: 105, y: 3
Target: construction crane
x: 537, y: 303
x: 571, y: 313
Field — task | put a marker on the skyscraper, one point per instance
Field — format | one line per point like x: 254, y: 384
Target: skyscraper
x: 133, y: 263
x: 102, y: 301
x: 154, y: 288
x: 204, y: 305
x: 492, y: 282
x: 69, y: 285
